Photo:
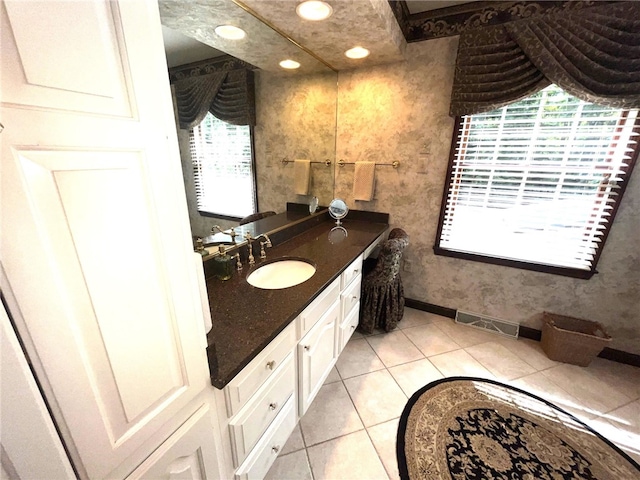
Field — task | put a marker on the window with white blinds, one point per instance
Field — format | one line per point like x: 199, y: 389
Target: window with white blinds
x: 223, y: 168
x: 535, y: 184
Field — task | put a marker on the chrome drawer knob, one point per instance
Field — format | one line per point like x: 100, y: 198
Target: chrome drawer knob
x: 271, y: 364
x: 273, y: 406
x: 306, y: 347
x: 275, y: 449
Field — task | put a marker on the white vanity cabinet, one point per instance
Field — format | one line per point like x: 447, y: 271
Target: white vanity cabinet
x: 261, y: 408
x: 267, y: 398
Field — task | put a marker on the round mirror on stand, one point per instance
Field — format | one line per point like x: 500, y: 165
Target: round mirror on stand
x: 338, y: 209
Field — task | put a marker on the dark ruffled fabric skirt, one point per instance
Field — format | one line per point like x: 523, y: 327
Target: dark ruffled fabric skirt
x: 382, y: 306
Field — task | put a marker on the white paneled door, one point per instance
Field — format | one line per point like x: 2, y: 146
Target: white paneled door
x: 96, y: 244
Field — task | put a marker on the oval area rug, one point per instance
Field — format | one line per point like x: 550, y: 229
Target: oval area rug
x: 473, y: 428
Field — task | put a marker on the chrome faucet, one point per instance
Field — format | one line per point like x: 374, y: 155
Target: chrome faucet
x: 267, y: 243
x: 232, y: 233
x: 247, y: 236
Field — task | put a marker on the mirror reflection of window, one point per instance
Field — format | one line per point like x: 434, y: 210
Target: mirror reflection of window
x: 223, y: 168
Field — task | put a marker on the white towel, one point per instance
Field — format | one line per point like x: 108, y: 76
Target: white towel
x: 301, y: 174
x: 364, y: 178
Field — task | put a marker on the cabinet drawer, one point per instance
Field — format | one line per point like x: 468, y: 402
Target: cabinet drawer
x: 255, y: 417
x: 318, y: 307
x: 351, y: 296
x: 247, y: 382
x: 266, y: 450
x: 347, y: 327
x: 351, y: 272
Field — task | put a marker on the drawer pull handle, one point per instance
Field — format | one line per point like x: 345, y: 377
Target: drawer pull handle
x: 306, y: 347
x: 275, y: 449
x: 271, y: 364
x: 355, y: 271
x: 353, y: 327
x: 273, y: 406
x: 355, y: 297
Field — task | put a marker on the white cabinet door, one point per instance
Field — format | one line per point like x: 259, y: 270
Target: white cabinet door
x: 95, y: 236
x: 185, y: 455
x: 317, y: 355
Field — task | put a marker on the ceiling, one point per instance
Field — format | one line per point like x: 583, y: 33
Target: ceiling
x: 189, y: 37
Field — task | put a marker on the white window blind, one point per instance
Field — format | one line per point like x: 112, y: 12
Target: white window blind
x: 536, y: 181
x: 223, y: 168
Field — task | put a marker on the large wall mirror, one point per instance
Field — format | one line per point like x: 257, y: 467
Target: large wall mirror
x: 295, y: 109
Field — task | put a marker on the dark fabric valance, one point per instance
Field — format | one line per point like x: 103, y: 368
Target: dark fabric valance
x: 228, y: 95
x: 594, y: 54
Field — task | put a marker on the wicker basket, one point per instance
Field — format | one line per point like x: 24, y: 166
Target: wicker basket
x: 572, y: 340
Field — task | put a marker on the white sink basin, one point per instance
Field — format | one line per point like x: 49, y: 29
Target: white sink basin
x: 281, y: 274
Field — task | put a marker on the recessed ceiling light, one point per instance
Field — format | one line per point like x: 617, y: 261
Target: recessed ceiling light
x: 289, y: 64
x: 357, y: 52
x: 314, y: 10
x: 230, y: 32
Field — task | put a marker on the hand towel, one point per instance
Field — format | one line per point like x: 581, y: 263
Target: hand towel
x: 301, y: 173
x: 364, y: 181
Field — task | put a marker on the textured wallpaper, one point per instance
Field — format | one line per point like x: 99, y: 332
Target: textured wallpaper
x: 295, y: 119
x: 400, y: 112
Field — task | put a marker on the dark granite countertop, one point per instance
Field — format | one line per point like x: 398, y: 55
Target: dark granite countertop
x: 246, y: 318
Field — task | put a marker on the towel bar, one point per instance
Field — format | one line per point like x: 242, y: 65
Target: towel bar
x: 394, y: 164
x: 285, y: 160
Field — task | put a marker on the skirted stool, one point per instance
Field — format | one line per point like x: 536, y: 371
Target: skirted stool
x: 382, y: 304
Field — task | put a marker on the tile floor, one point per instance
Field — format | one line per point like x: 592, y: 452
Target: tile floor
x: 349, y: 432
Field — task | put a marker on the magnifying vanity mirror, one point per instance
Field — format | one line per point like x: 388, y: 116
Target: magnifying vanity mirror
x: 338, y: 210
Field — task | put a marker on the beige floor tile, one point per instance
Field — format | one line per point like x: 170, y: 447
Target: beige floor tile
x: 500, y: 361
x: 415, y: 375
x: 333, y: 376
x: 592, y: 392
x: 294, y: 443
x: 627, y: 418
x: 530, y: 351
x: 294, y: 466
x: 351, y: 457
x: 431, y: 340
x: 394, y: 348
x: 377, y: 397
x: 459, y: 363
x: 623, y: 378
x: 357, y: 334
x: 358, y: 358
x: 383, y: 437
x: 466, y: 336
x: 416, y: 318
x: 330, y: 415
x: 540, y: 385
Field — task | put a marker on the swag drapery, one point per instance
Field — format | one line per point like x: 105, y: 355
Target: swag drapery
x: 228, y: 95
x: 593, y: 54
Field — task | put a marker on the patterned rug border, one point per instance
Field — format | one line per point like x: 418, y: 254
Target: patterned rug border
x: 402, y: 425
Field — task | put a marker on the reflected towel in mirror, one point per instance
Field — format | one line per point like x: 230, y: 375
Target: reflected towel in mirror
x: 364, y: 181
x: 301, y: 174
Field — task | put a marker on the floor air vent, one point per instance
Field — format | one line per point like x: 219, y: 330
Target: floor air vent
x: 491, y: 324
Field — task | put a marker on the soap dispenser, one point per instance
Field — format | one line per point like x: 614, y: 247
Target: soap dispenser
x: 222, y: 264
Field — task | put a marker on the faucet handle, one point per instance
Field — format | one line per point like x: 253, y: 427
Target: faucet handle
x: 238, y: 262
